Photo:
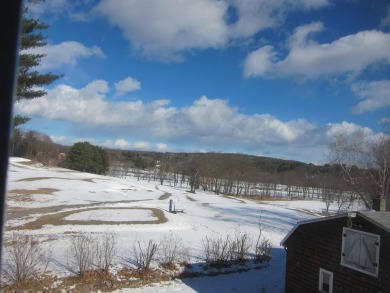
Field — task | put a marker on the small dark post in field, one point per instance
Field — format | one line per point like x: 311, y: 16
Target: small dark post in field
x: 170, y: 205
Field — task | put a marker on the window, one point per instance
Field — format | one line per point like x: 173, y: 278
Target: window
x: 326, y: 281
x: 360, y: 251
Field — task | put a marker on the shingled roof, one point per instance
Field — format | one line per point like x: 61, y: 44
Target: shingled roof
x: 381, y: 219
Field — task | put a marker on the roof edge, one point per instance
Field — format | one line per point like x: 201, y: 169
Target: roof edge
x: 363, y: 215
x: 282, y: 243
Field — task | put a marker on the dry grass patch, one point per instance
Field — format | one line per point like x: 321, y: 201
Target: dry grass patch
x: 234, y: 198
x: 58, y: 219
x: 190, y: 198
x: 28, y: 192
x: 24, y: 195
x: 165, y: 196
x: 31, y: 285
x: 60, y: 178
x: 42, y: 178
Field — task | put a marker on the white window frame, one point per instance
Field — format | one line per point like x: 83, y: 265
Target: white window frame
x: 360, y: 235
x: 321, y: 282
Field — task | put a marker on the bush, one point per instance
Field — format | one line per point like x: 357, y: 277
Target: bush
x: 217, y: 250
x: 80, y: 253
x: 144, y: 254
x: 105, y: 251
x: 24, y: 258
x: 240, y: 247
x: 172, y: 250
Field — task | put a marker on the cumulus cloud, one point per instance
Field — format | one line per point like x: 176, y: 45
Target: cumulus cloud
x: 374, y: 95
x: 163, y: 30
x: 308, y: 58
x: 206, y: 122
x: 256, y: 15
x: 259, y: 62
x: 347, y: 128
x: 65, y: 53
x: 126, y: 85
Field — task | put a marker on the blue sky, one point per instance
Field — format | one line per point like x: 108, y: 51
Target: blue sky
x: 269, y: 78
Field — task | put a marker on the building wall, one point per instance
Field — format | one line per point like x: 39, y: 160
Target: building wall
x: 318, y: 245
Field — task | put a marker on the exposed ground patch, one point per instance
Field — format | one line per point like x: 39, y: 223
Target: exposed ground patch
x: 234, y: 198
x: 17, y: 212
x: 48, y: 191
x: 190, y: 198
x: 165, y: 196
x: 57, y: 219
x: 60, y: 178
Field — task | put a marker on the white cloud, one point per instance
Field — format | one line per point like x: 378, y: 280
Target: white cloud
x: 375, y: 95
x: 161, y: 147
x: 54, y: 6
x: 385, y: 21
x: 256, y: 15
x: 138, y: 145
x: 121, y: 143
x: 65, y: 53
x: 126, y: 85
x: 161, y: 29
x: 347, y: 128
x: 206, y: 122
x: 259, y: 62
x: 349, y: 54
x: 210, y: 124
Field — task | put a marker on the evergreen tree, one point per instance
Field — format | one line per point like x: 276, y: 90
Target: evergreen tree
x: 85, y: 157
x: 28, y: 79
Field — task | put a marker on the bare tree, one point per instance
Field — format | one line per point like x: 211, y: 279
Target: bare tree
x: 365, y: 163
x: 263, y: 247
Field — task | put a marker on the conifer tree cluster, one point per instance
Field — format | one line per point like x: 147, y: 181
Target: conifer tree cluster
x: 86, y: 157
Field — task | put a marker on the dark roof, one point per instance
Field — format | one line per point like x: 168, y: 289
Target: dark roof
x: 381, y: 219
x: 321, y: 219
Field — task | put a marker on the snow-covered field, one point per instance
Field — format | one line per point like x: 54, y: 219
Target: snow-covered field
x: 88, y: 203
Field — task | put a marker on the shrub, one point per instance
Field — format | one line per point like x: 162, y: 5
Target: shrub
x: 24, y: 258
x: 172, y: 250
x: 80, y: 252
x: 105, y: 251
x: 263, y: 248
x: 144, y: 254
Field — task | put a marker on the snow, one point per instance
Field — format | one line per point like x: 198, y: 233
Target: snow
x: 119, y: 204
x: 112, y: 215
